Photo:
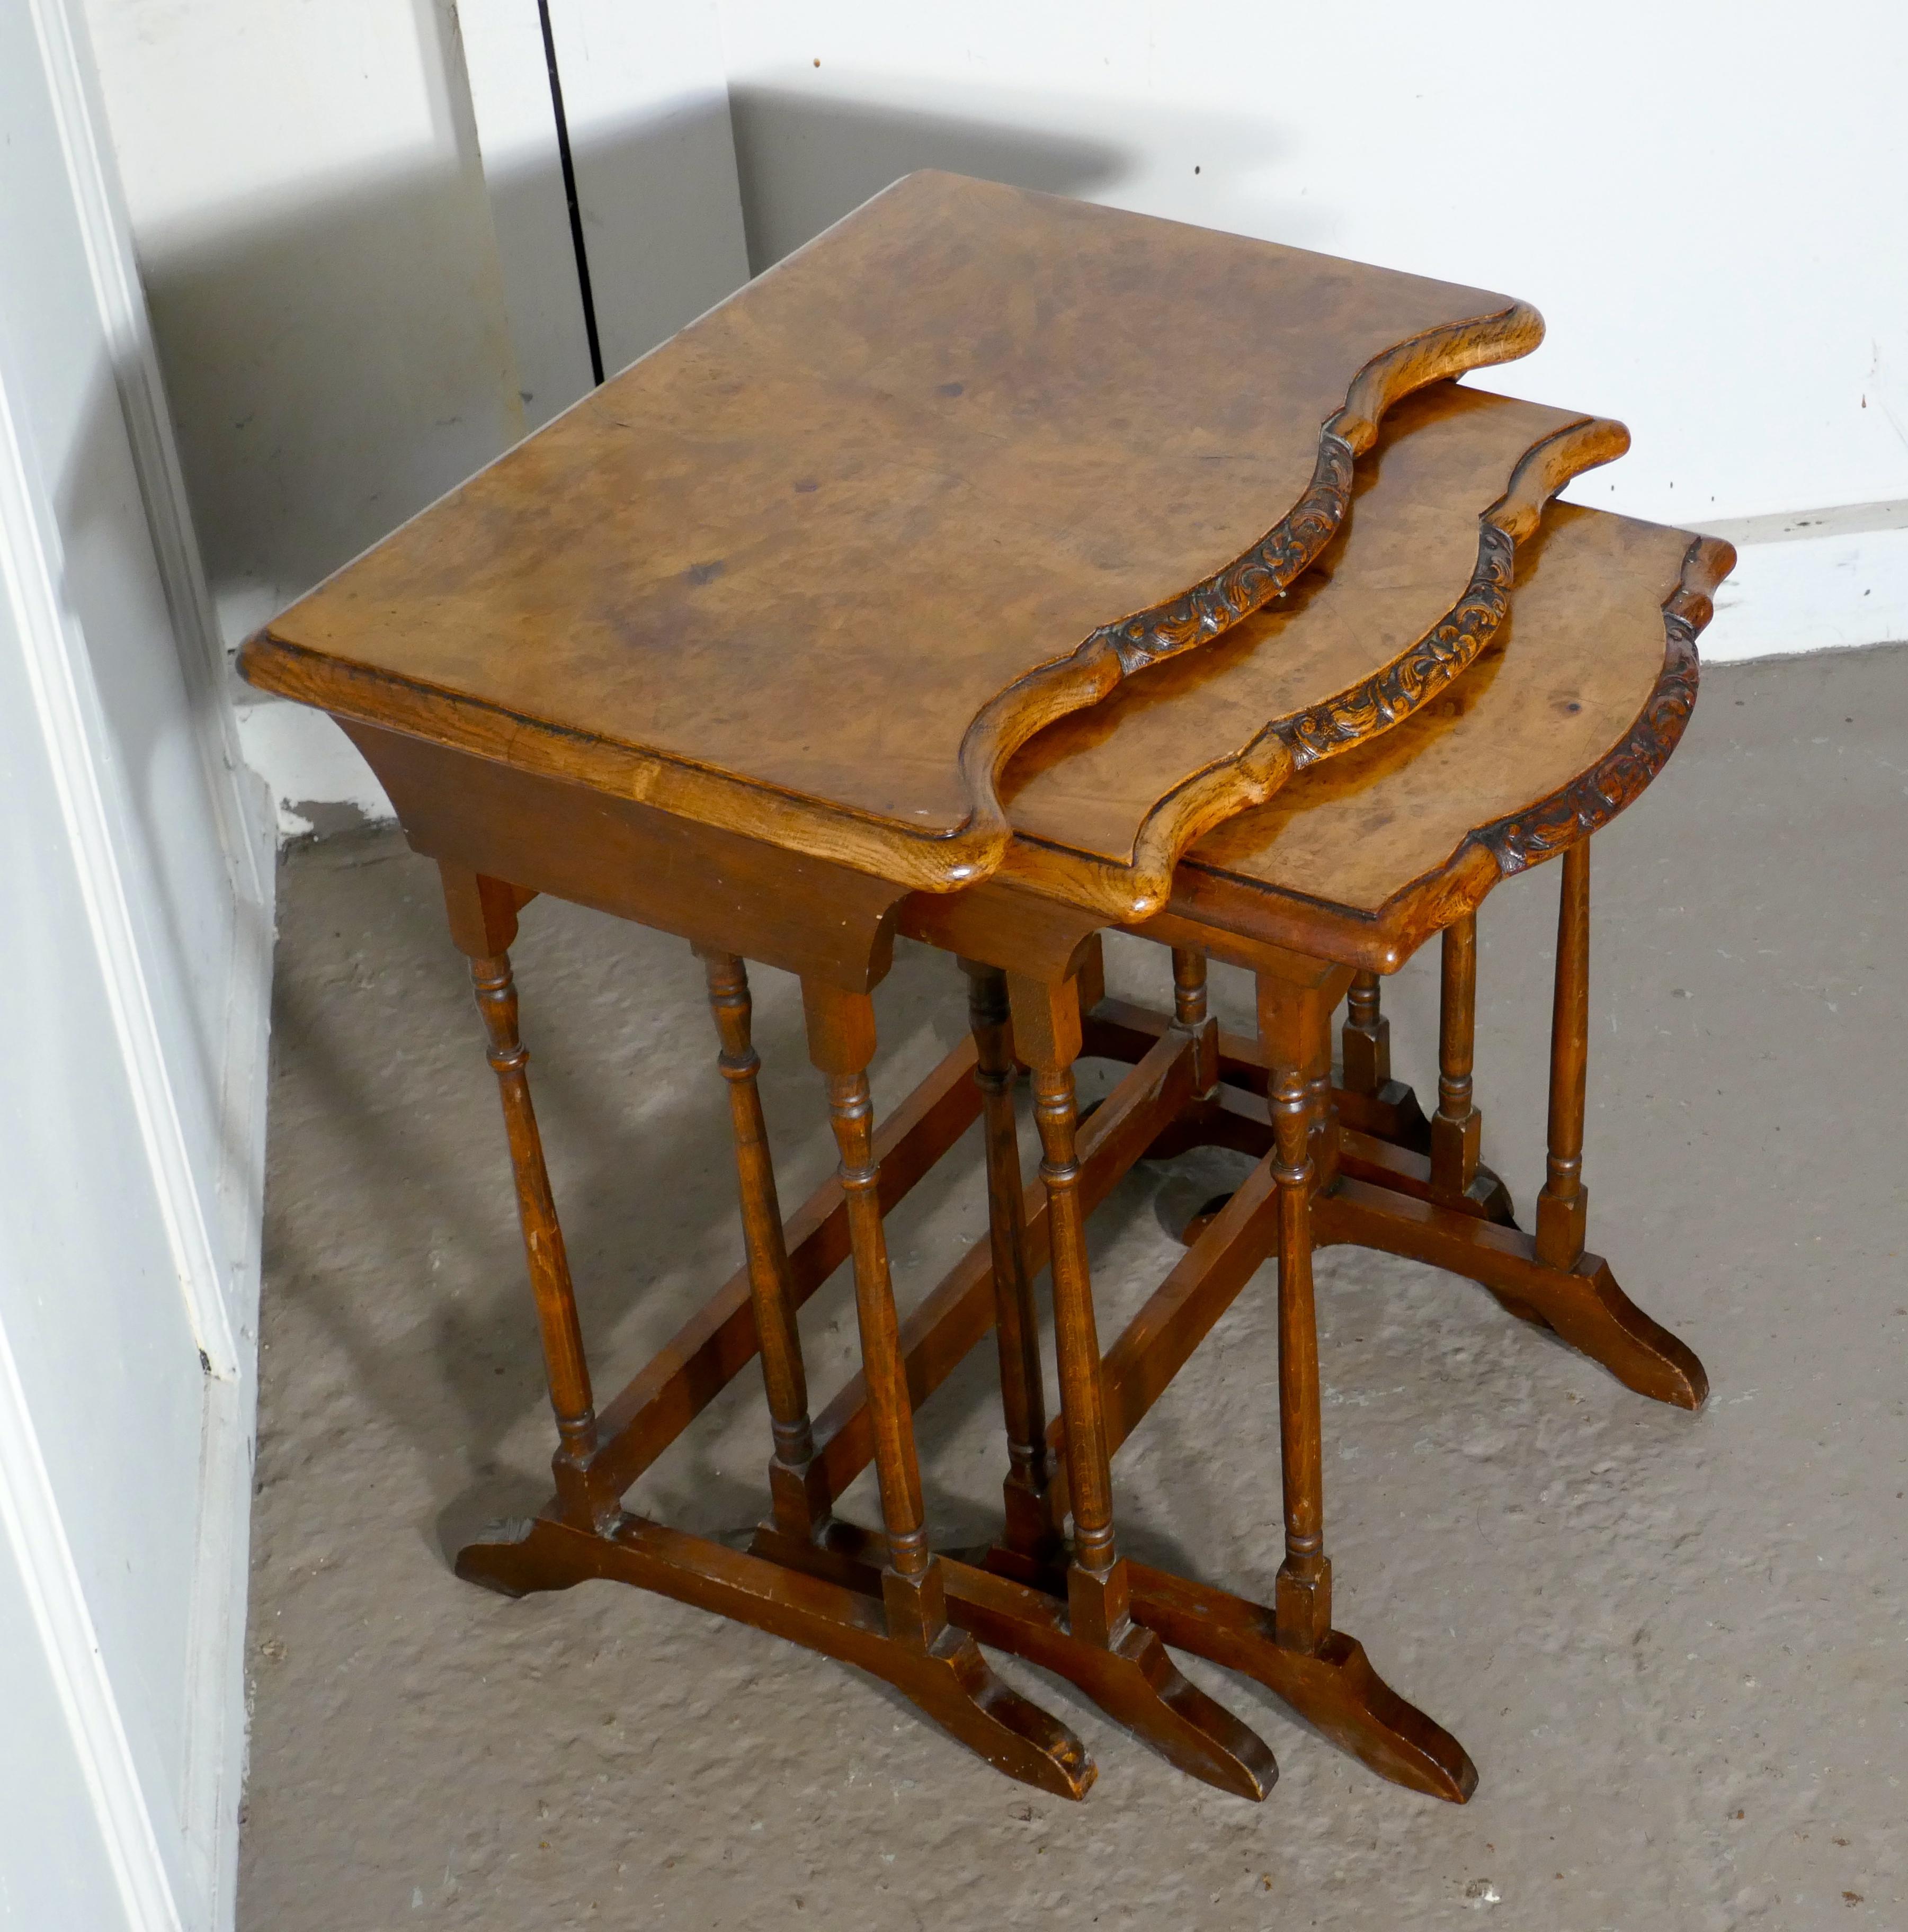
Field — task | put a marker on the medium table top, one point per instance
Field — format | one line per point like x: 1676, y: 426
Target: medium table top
x: 1413, y: 585
x: 1564, y: 718
x: 813, y: 567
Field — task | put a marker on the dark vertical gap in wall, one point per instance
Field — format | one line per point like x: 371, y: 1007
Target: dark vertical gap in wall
x: 570, y: 194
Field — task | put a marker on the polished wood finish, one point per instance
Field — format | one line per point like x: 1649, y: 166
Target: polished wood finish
x: 1091, y: 1621
x: 1365, y: 1040
x: 1039, y: 443
x: 636, y: 1425
x: 949, y: 1681
x: 483, y: 920
x: 1293, y: 1026
x: 1073, y: 1618
x: 841, y: 1043
x: 585, y: 1532
x: 1563, y: 1205
x: 954, y: 1316
x: 741, y: 647
x: 797, y: 1504
x: 1565, y: 717
x: 1031, y: 1528
x: 713, y: 887
x: 1412, y: 587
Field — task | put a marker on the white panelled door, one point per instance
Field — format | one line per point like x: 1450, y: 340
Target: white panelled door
x: 134, y: 951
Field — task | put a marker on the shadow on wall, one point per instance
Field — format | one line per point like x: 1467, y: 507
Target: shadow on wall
x: 804, y: 160
x: 331, y: 368
x: 334, y: 363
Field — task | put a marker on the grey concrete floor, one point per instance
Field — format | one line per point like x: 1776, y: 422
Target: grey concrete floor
x: 1676, y: 1645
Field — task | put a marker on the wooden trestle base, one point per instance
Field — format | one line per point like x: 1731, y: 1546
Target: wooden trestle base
x: 1358, y: 1163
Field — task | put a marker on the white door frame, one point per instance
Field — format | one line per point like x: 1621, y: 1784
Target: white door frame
x: 211, y: 1201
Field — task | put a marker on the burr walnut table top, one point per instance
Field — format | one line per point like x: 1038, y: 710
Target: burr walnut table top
x: 816, y: 566
x: 1564, y: 718
x: 1104, y: 802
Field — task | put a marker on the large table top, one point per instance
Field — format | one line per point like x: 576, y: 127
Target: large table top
x: 1566, y: 716
x: 815, y: 567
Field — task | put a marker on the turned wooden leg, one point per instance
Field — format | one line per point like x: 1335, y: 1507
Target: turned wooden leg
x: 1370, y: 1099
x: 1292, y: 1030
x: 1548, y: 1278
x: 483, y: 917
x: 1365, y: 1040
x: 1458, y: 1179
x: 841, y: 1043
x: 1030, y: 1530
x: 1095, y: 1583
x: 1457, y: 1124
x: 1563, y: 1204
x: 800, y: 1499
x: 1149, y: 1694
x: 1191, y: 1017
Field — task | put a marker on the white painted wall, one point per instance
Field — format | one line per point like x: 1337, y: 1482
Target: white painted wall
x: 1702, y: 201
x: 309, y: 210
x: 354, y: 236
x: 351, y: 219
x: 135, y: 952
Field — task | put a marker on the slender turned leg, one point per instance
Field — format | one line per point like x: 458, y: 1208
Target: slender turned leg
x: 1548, y: 1278
x: 1031, y: 1531
x: 1373, y: 1102
x: 1197, y: 1734
x: 799, y: 1496
x: 1303, y: 1605
x: 1095, y: 1581
x: 483, y: 917
x: 841, y: 1043
x: 1457, y: 1124
x: 1563, y: 1203
x: 1365, y: 1043
x: 1458, y: 1179
x: 1190, y: 1016
x: 965, y: 1696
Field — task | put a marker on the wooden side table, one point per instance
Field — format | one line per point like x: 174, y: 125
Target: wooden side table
x: 1566, y: 717
x: 737, y: 648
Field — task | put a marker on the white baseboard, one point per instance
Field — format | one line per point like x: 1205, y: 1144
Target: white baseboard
x: 1817, y: 580
x: 216, y: 1723
x: 314, y: 772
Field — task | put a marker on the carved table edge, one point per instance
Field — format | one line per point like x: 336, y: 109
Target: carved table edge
x: 1382, y: 941
x: 947, y: 859
x: 1284, y: 746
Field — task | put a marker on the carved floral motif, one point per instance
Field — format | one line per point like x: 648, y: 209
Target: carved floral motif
x: 1289, y: 548
x: 1396, y: 692
x: 1593, y: 799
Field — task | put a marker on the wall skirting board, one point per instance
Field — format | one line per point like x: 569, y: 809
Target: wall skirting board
x: 1813, y: 580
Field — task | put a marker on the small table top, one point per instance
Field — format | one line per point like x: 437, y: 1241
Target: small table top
x: 813, y: 569
x: 1104, y: 802
x: 1565, y: 717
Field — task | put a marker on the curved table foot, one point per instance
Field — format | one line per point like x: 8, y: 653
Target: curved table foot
x: 949, y: 1680
x: 1132, y: 1680
x: 1581, y: 1303
x: 1335, y: 1688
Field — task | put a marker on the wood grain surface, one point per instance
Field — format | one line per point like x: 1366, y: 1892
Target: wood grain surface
x: 1103, y: 803
x: 815, y: 567
x: 1566, y: 715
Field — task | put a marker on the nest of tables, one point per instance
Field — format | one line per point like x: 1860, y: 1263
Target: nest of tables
x: 998, y: 570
